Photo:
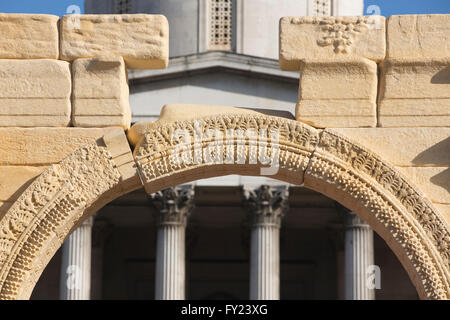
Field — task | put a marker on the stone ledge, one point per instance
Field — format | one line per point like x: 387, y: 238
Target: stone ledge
x: 44, y: 146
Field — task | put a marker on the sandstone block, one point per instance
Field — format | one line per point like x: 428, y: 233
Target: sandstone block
x: 174, y: 112
x: 338, y: 93
x: 15, y: 179
x: 141, y: 39
x: 418, y: 36
x: 330, y: 38
x: 29, y: 36
x: 34, y: 93
x: 4, y: 206
x: 414, y: 92
x: 100, y: 96
x: 432, y: 181
x: 43, y: 146
x: 405, y: 146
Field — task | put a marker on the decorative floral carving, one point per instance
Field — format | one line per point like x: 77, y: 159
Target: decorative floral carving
x: 340, y: 32
x: 430, y: 263
x: 296, y: 141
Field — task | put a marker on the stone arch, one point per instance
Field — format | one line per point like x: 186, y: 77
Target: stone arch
x: 327, y: 162
x: 68, y: 192
x: 55, y: 204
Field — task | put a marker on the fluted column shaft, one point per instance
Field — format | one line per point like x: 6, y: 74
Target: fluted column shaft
x: 173, y: 207
x: 265, y: 263
x: 75, y: 283
x: 267, y: 205
x: 359, y: 256
x: 170, y: 263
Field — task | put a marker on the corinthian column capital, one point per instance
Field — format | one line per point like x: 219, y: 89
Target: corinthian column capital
x: 267, y: 205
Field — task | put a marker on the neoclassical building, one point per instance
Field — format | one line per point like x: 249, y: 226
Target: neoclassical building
x: 357, y: 206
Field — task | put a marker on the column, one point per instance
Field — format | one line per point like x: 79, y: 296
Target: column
x: 359, y: 255
x: 75, y: 283
x: 267, y: 205
x: 173, y: 208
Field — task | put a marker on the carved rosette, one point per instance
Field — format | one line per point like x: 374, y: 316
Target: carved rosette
x: 399, y: 207
x: 267, y: 205
x: 45, y: 211
x: 173, y: 205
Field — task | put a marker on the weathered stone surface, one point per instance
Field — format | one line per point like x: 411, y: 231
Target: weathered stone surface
x: 34, y: 93
x: 338, y: 93
x: 174, y: 112
x: 41, y: 146
x: 405, y: 146
x: 432, y: 181
x: 444, y: 209
x: 15, y: 179
x: 414, y: 92
x: 100, y: 96
x: 418, y: 36
x: 330, y: 37
x: 141, y: 39
x: 4, y: 206
x: 29, y: 36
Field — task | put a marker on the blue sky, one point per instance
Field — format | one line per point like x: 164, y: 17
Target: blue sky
x: 387, y: 7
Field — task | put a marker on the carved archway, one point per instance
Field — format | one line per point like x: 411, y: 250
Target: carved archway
x: 326, y: 162
x: 65, y: 194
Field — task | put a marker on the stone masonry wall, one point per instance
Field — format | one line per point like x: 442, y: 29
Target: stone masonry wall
x: 63, y: 84
x: 382, y: 82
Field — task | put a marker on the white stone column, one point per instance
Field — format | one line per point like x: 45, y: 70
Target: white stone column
x: 267, y: 206
x: 173, y: 208
x: 75, y: 282
x: 359, y: 255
